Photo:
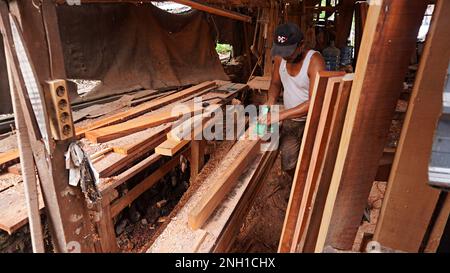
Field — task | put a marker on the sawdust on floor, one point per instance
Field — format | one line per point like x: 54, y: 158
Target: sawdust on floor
x: 261, y: 230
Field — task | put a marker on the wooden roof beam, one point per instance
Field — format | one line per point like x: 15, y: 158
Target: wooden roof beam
x: 193, y: 4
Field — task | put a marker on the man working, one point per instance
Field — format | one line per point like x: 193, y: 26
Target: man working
x: 295, y: 69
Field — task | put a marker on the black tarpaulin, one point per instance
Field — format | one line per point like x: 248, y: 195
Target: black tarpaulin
x: 131, y: 46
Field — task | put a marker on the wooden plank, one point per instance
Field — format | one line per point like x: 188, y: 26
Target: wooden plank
x: 28, y: 174
x: 185, y: 130
x: 228, y: 235
x: 385, y: 166
x: 361, y: 9
x: 177, y: 138
x: 199, y: 241
x: 108, y: 186
x: 177, y: 237
x: 9, y: 158
x: 201, y: 212
x: 317, y: 157
x: 141, y: 123
x: 409, y: 201
x: 170, y: 147
x: 309, y: 136
x: 13, y: 208
x: 260, y: 83
x: 190, y: 128
x: 15, y: 169
x: 126, y: 160
x: 388, y: 41
x: 439, y: 225
x: 133, y: 147
x: 142, y: 109
x: 101, y: 153
x: 105, y: 226
x: 197, y: 157
x: 146, y: 184
x: 217, y: 11
x: 309, y: 236
x: 148, y: 98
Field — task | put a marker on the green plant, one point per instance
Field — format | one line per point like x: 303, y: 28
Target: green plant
x: 223, y: 48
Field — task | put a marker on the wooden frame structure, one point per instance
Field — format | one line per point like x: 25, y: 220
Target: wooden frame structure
x: 409, y: 201
x: 326, y: 204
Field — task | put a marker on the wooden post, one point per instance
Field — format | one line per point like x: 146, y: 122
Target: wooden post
x: 344, y: 22
x: 437, y: 230
x: 388, y: 42
x: 272, y: 24
x: 409, y: 201
x: 197, y: 157
x: 308, y: 240
x: 105, y: 225
x: 68, y: 216
x: 55, y: 51
x: 304, y: 158
x: 360, y: 21
x: 5, y: 97
x: 28, y: 172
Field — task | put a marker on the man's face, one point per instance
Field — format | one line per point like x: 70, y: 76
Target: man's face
x: 294, y: 56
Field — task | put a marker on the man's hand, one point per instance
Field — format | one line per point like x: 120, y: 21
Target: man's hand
x: 265, y: 119
x: 268, y: 119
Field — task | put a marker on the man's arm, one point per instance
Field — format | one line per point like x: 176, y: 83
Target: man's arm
x: 317, y: 64
x: 275, y: 83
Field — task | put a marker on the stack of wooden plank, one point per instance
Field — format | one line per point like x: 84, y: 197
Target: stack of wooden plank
x: 122, y: 145
x: 316, y: 161
x: 188, y: 130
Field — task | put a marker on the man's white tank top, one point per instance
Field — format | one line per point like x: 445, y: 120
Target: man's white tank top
x: 296, y: 89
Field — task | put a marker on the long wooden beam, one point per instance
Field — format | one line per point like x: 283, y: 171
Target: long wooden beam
x: 142, y: 109
x: 144, y: 185
x: 388, y: 41
x: 409, y: 201
x: 133, y: 147
x: 438, y: 227
x: 317, y: 156
x: 309, y: 237
x: 9, y: 158
x: 127, y: 160
x: 193, y: 4
x: 304, y: 159
x: 112, y: 132
x: 216, y: 11
x: 28, y: 172
x: 231, y: 230
x: 344, y: 22
x: 62, y: 202
x: 201, y: 212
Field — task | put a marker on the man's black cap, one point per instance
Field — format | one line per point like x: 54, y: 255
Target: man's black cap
x: 286, y: 39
